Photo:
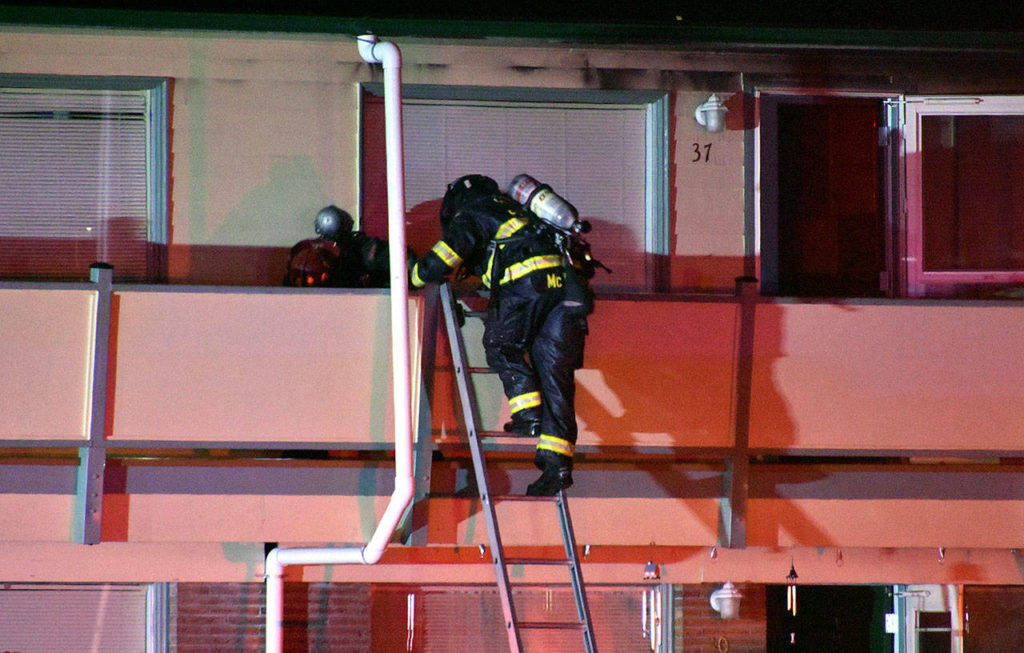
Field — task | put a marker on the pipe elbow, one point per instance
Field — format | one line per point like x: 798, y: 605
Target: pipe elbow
x: 273, y: 568
x: 373, y: 50
x: 400, y: 500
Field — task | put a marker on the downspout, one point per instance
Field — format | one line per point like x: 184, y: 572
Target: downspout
x: 372, y: 51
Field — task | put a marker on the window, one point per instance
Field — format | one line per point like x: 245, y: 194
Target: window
x: 965, y: 200
x: 83, y: 165
x: 604, y: 152
x: 86, y: 617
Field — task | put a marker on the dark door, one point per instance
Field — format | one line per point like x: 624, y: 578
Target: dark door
x: 824, y: 220
x: 993, y: 618
x: 850, y: 619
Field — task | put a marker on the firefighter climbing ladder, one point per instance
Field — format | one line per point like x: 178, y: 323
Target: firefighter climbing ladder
x: 453, y: 321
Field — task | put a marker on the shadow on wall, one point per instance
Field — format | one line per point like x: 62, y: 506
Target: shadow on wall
x: 690, y: 374
x: 282, y: 207
x: 280, y: 210
x: 237, y: 265
x: 227, y: 265
x: 704, y: 274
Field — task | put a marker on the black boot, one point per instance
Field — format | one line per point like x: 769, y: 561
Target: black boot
x: 556, y: 474
x: 528, y: 426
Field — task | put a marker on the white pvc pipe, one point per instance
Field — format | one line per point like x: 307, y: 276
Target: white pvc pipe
x: 372, y: 51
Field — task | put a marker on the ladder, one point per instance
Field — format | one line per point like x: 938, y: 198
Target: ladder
x: 454, y: 317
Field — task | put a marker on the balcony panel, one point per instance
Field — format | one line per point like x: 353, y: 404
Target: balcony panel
x: 45, y: 363
x: 36, y: 517
x: 241, y: 518
x: 658, y: 374
x: 888, y: 376
x: 120, y: 562
x: 596, y: 521
x: 903, y: 523
x: 255, y: 366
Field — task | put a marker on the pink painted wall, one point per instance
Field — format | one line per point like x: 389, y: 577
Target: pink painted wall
x: 888, y: 376
x: 45, y: 363
x: 243, y: 366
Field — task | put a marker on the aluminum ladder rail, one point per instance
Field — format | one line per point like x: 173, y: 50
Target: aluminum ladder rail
x: 454, y: 319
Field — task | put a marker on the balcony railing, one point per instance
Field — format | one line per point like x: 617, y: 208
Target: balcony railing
x: 711, y: 407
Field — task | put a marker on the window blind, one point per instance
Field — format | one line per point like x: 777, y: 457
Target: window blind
x: 73, y: 183
x: 594, y: 156
x: 58, y: 619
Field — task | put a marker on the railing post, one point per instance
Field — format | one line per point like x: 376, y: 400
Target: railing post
x: 736, y: 479
x: 93, y: 457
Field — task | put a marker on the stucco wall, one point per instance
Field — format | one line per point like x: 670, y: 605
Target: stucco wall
x: 265, y: 131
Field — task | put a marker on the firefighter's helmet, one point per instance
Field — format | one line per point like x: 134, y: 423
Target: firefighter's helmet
x: 331, y: 222
x: 464, y: 190
x: 313, y: 262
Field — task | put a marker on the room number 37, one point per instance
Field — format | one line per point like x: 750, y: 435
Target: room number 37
x: 701, y: 153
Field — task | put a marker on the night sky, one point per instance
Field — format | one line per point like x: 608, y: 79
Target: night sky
x: 988, y: 15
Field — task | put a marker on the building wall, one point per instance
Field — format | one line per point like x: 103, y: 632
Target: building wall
x: 319, y: 617
x: 363, y: 617
x: 265, y: 131
x: 703, y: 630
x: 265, y: 126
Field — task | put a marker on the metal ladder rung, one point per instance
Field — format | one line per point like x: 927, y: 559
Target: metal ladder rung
x: 506, y: 434
x: 522, y: 497
x: 557, y: 562
x: 552, y: 625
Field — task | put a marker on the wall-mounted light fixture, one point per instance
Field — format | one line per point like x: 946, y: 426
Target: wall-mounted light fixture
x: 651, y: 571
x: 711, y: 114
x: 791, y: 590
x: 726, y: 601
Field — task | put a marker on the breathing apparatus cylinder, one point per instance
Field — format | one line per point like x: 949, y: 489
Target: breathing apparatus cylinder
x: 546, y: 204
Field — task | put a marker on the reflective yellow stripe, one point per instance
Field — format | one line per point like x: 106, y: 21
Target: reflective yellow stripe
x: 447, y: 254
x: 558, y: 445
x: 486, y: 278
x: 415, y: 278
x: 523, y: 268
x: 524, y: 401
x: 509, y: 227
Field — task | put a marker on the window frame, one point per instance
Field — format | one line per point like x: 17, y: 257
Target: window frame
x: 656, y: 107
x: 918, y: 281
x: 156, y: 93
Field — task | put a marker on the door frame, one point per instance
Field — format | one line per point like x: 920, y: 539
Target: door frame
x: 764, y: 187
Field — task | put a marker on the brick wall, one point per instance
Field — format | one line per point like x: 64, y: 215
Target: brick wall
x: 229, y: 618
x: 328, y: 617
x: 704, y: 631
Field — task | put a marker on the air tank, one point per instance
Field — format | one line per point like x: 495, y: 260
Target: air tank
x: 546, y: 204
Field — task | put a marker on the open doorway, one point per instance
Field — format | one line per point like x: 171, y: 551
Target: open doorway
x: 828, y: 618
x: 822, y: 196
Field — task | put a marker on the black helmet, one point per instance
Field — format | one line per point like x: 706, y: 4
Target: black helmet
x: 331, y: 222
x: 464, y: 190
